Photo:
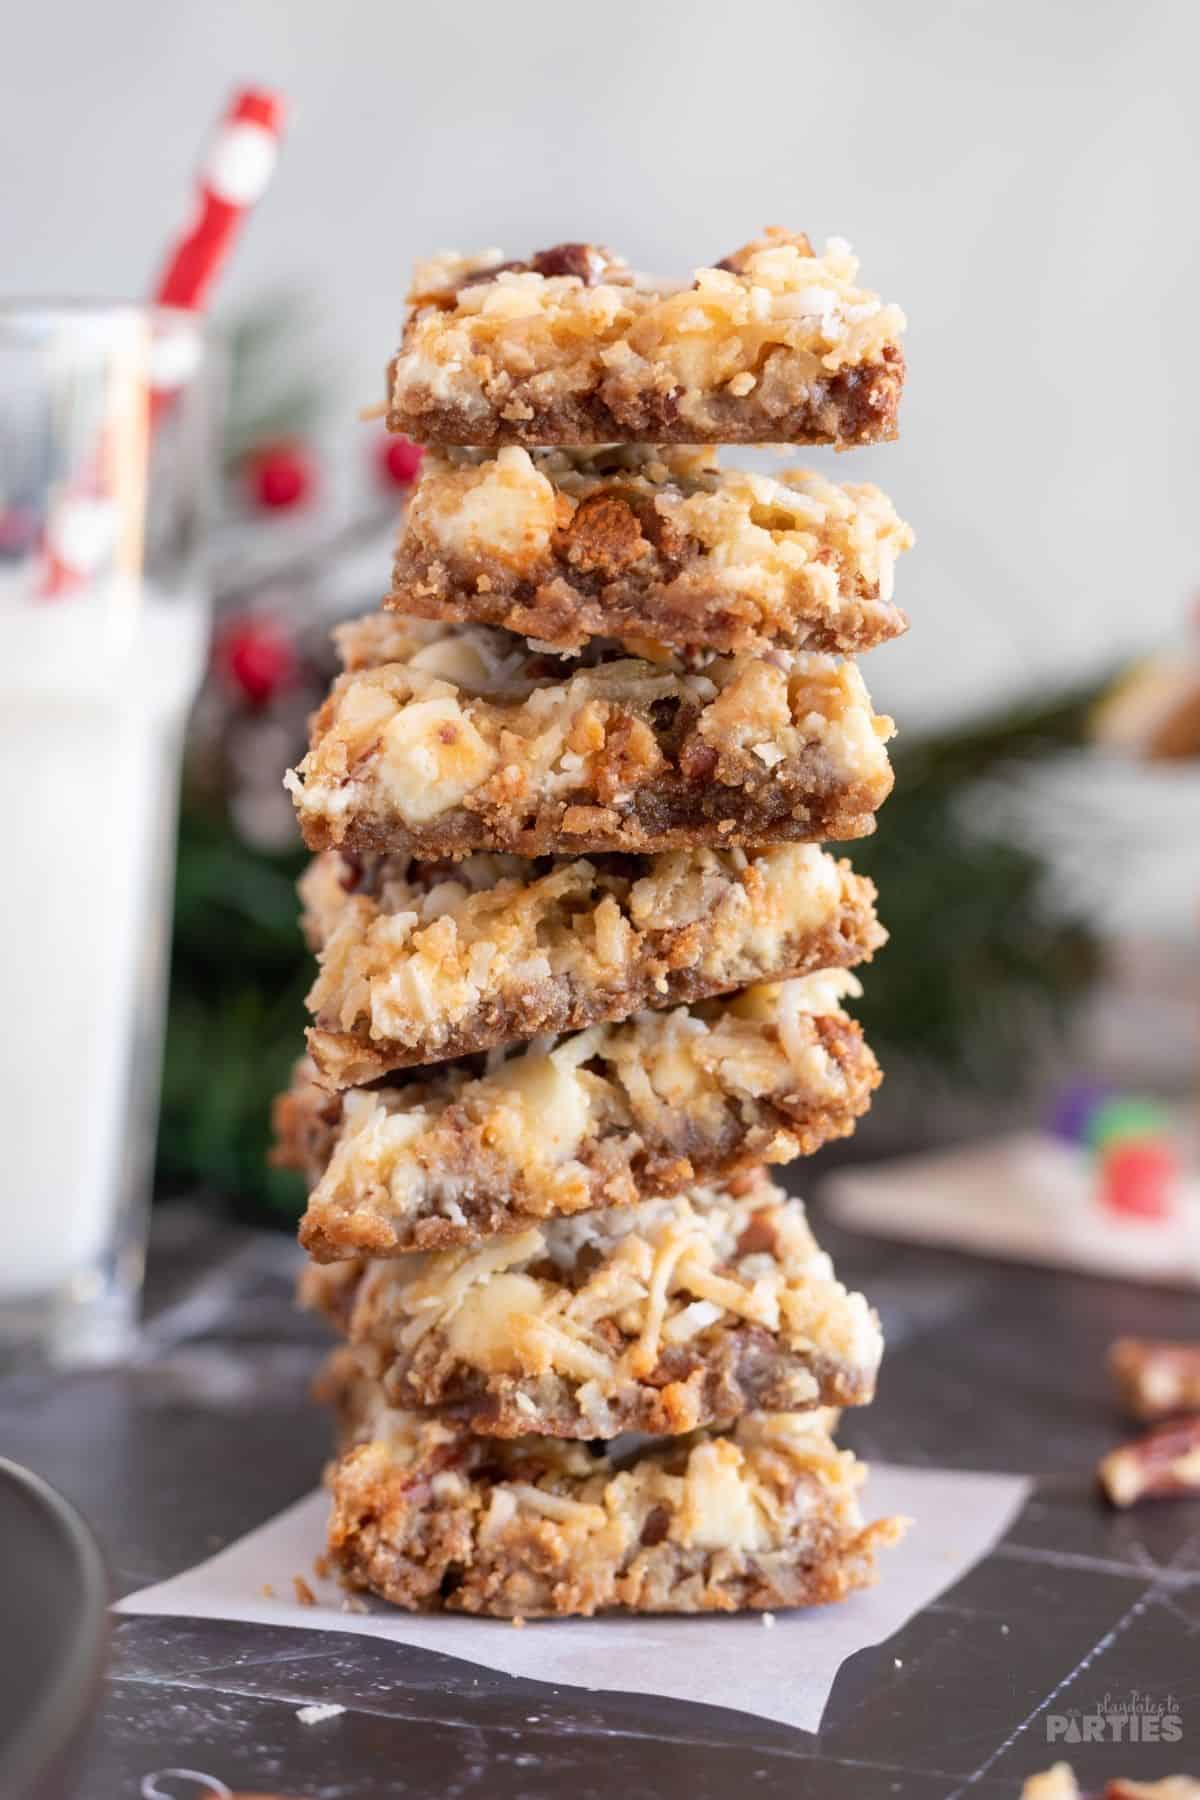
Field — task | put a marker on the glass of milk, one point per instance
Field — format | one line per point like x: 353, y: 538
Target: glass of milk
x: 107, y: 448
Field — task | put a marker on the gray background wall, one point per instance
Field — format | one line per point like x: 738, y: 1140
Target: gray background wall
x: 1022, y: 177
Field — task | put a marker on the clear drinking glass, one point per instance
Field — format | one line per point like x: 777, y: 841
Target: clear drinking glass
x: 107, y: 452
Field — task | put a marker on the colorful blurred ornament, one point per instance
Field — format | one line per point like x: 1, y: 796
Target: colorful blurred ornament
x: 1123, y: 1119
x: 281, y: 475
x: 1131, y: 1143
x: 1075, y: 1107
x: 256, y: 657
x: 1139, y: 1179
x: 398, y: 460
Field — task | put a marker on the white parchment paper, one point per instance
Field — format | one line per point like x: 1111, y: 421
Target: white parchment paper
x: 783, y: 1672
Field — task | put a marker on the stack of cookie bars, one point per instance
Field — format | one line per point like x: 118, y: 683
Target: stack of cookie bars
x: 582, y: 959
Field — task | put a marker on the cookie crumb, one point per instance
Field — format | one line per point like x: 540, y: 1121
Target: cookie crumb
x: 304, y: 1593
x: 268, y: 1591
x: 317, y: 1714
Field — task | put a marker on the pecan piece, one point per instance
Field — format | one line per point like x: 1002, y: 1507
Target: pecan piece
x: 478, y: 276
x: 604, y: 537
x: 761, y: 1233
x: 1154, y: 1377
x: 583, y: 260
x: 672, y: 544
x: 1162, y: 1464
x: 657, y: 1524
x: 737, y: 259
x: 350, y: 871
x: 1059, y: 1783
x: 630, y: 757
x: 697, y: 760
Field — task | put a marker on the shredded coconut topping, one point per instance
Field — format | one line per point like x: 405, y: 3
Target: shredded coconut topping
x: 488, y: 338
x: 399, y: 741
x: 682, y: 1081
x: 415, y: 953
x: 773, y: 557
x: 617, y: 1288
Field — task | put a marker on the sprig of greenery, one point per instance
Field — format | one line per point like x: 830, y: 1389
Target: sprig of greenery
x: 983, y: 966
x: 277, y: 384
x: 239, y: 974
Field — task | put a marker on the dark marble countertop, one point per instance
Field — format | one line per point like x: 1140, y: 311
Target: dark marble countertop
x: 989, y: 1367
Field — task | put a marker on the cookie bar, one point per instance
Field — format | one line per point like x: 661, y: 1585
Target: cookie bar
x: 776, y: 344
x: 424, y: 961
x: 430, y: 1517
x: 463, y: 738
x: 615, y: 1114
x: 643, y: 543
x: 657, y: 1318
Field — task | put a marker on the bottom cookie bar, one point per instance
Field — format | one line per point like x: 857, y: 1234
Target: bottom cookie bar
x: 428, y: 1517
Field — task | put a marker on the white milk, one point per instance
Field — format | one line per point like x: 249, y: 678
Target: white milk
x: 94, y: 693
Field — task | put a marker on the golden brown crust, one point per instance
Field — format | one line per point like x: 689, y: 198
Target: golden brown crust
x: 747, y: 1372
x: 675, y: 815
x: 643, y: 543
x: 668, y: 1099
x: 429, y: 1517
x: 850, y: 408
x: 560, y: 948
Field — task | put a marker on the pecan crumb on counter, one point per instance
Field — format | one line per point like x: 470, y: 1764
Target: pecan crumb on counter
x: 1059, y: 1783
x: 1156, y: 1378
x: 1164, y: 1464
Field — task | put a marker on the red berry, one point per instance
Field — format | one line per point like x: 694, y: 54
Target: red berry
x: 256, y: 656
x: 280, y: 475
x: 399, y: 460
x: 1138, y: 1179
x: 18, y: 530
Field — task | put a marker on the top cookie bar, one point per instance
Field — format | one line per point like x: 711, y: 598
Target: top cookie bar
x: 775, y: 344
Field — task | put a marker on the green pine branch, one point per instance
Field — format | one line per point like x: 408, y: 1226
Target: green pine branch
x: 278, y: 385
x: 239, y: 974
x: 982, y: 967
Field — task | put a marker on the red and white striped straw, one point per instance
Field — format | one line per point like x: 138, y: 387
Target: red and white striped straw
x: 234, y: 175
x: 232, y: 178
